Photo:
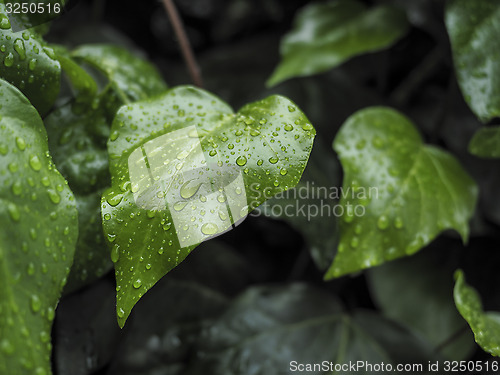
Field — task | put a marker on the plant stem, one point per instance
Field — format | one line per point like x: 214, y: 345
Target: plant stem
x: 187, y: 51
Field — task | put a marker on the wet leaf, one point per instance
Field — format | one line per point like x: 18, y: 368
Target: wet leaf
x: 186, y: 168
x: 28, y: 63
x: 486, y: 326
x: 267, y: 329
x: 326, y: 35
x: 131, y: 78
x: 417, y: 292
x: 473, y: 27
x: 40, y: 227
x: 399, y: 193
x: 77, y: 140
x: 486, y: 143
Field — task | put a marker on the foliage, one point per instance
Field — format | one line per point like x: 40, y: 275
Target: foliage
x: 103, y: 165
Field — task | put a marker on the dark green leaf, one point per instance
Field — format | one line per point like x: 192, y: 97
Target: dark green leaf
x: 473, y: 27
x: 486, y: 143
x: 326, y: 35
x: 264, y: 148
x: 267, y: 328
x: 77, y: 141
x: 486, y: 326
x: 160, y: 338
x: 39, y: 231
x: 399, y: 193
x: 417, y: 292
x: 132, y: 78
x: 29, y: 64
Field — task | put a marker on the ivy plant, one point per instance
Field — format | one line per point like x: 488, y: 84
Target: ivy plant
x: 104, y: 166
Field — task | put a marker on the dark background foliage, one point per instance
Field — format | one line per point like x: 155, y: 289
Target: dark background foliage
x: 237, y: 44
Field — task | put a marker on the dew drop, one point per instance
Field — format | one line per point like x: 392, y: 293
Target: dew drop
x: 20, y: 49
x: 114, y: 200
x: 35, y: 163
x: 398, y: 223
x: 36, y: 304
x: 9, y: 60
x: 383, y: 222
x: 209, y: 229
x: 115, y: 254
x: 54, y: 196
x: 137, y: 283
x: 120, y: 312
x: 14, y: 213
x: 179, y: 206
x: 21, y: 144
x: 283, y: 172
x: 189, y: 189
x: 288, y: 127
x: 17, y: 189
x: 273, y: 160
x: 241, y: 161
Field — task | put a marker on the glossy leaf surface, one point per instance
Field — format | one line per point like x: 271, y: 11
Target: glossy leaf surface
x: 401, y: 192
x: 486, y: 326
x: 326, y: 35
x: 37, y: 242
x: 186, y: 168
x: 486, y: 143
x: 473, y: 27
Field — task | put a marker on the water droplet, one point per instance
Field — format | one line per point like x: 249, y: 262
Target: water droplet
x: 377, y: 142
x: 307, y: 127
x: 36, y: 304
x: 31, y: 269
x: 260, y: 162
x: 241, y: 161
x: 230, y: 146
x: 288, y: 127
x: 35, y: 163
x: 254, y: 132
x: 21, y: 144
x: 7, y: 347
x: 120, y: 312
x: 114, y: 136
x: 137, y: 283
x: 209, y: 229
x: 189, y: 189
x: 107, y: 216
x: 238, y: 133
x: 54, y: 196
x: 114, y: 200
x: 354, y: 242
x: 4, y: 22
x: 115, y: 254
x: 212, y: 153
x: 273, y: 159
x: 383, y: 222
x: 283, y: 172
x: 291, y: 108
x: 17, y: 188
x: 179, y: 206
x: 9, y: 60
x: 13, y: 211
x: 19, y: 48
x: 111, y: 237
x: 221, y: 198
x: 182, y: 155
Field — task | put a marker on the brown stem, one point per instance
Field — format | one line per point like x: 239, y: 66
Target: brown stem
x: 187, y: 52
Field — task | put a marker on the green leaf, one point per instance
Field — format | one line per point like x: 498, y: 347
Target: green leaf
x: 77, y: 140
x: 417, y: 292
x: 399, y: 193
x: 473, y: 30
x: 310, y: 206
x: 29, y: 64
x: 84, y: 86
x: 326, y: 35
x: 132, y: 78
x: 267, y: 328
x: 38, y: 20
x: 486, y: 143
x: 39, y: 231
x: 260, y: 151
x: 486, y: 326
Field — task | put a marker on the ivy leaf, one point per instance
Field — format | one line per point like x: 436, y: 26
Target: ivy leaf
x: 266, y: 329
x: 399, y: 193
x: 40, y: 227
x: 486, y: 326
x: 426, y: 278
x: 486, y: 143
x: 180, y: 139
x: 29, y: 64
x: 473, y: 30
x: 77, y: 140
x: 326, y: 35
x: 130, y: 77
